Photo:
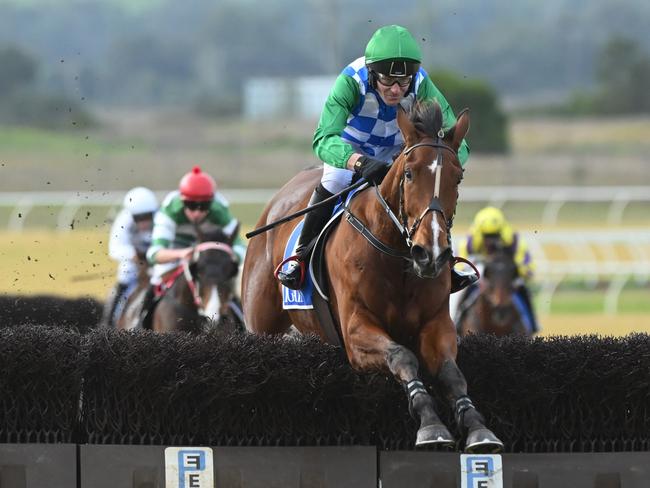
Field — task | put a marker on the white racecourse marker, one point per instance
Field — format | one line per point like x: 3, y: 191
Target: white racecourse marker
x: 481, y: 471
x: 189, y: 467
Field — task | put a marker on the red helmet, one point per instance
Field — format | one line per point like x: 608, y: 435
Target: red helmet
x: 197, y: 186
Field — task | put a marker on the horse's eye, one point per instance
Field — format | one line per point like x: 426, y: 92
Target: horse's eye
x: 408, y: 174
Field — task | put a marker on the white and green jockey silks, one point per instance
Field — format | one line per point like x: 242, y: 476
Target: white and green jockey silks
x: 173, y: 230
x: 356, y: 119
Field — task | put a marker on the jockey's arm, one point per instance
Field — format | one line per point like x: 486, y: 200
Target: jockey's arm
x: 327, y: 143
x: 170, y: 255
x: 524, y: 261
x: 465, y: 250
x: 428, y: 91
x: 120, y: 246
x: 163, y: 234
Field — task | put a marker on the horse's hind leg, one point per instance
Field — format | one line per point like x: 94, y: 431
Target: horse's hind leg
x: 438, y: 349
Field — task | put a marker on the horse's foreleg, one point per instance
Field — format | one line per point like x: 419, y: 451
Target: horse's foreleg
x: 369, y: 346
x: 438, y: 349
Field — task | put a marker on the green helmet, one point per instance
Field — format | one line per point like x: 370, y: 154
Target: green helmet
x: 393, y: 51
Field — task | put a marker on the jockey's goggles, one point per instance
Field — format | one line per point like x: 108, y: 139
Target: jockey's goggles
x: 142, y: 217
x: 202, y: 206
x: 386, y: 80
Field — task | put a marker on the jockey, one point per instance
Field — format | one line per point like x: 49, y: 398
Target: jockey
x: 358, y: 132
x: 489, y: 232
x: 196, y: 204
x: 130, y: 237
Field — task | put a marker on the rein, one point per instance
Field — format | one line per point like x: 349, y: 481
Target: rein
x: 401, y: 222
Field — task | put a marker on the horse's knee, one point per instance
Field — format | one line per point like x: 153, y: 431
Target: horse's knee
x: 401, y: 362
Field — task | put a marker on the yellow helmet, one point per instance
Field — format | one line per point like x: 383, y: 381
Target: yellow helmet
x: 489, y: 220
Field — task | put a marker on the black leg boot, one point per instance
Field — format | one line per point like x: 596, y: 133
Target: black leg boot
x: 460, y: 280
x: 108, y: 315
x: 148, y: 304
x: 293, y: 276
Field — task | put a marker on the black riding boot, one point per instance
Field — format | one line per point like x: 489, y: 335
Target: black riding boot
x: 146, y: 312
x: 461, y: 280
x: 293, y: 276
x: 108, y: 314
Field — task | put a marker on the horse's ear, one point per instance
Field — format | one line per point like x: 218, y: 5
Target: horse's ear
x: 458, y: 132
x: 406, y: 126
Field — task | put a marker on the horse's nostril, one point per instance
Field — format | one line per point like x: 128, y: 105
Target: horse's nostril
x: 420, y: 255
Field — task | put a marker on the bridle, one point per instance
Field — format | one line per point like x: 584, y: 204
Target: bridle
x: 434, y: 204
x: 401, y: 221
x: 194, y: 284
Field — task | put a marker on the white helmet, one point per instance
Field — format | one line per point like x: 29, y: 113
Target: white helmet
x: 140, y: 200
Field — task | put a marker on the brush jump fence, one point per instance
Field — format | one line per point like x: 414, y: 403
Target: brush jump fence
x: 88, y: 407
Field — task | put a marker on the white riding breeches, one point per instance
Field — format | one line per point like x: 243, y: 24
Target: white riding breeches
x: 335, y: 179
x: 127, y: 271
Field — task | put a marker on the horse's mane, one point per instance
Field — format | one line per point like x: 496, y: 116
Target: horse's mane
x: 426, y: 116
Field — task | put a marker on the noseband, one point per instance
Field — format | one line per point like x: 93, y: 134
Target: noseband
x: 401, y: 222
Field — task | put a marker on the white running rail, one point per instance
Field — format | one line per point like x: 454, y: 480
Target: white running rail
x: 590, y: 255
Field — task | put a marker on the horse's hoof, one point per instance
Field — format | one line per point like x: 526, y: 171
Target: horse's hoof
x: 483, y: 441
x: 435, y: 435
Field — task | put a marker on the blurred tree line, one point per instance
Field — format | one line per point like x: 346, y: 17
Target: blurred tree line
x: 488, y: 128
x: 21, y: 102
x: 623, y: 76
x: 201, y: 53
x: 165, y: 51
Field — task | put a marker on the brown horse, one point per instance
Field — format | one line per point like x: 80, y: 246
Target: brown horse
x: 202, y: 294
x: 491, y: 308
x: 392, y: 313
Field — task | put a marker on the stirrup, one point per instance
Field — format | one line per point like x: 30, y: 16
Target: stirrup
x: 460, y: 280
x: 294, y: 277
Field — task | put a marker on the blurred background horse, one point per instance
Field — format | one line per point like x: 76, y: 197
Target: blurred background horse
x: 200, y: 293
x: 492, y: 306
